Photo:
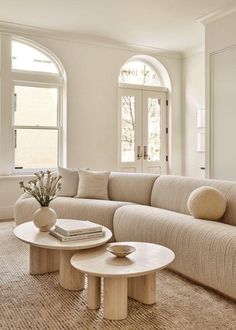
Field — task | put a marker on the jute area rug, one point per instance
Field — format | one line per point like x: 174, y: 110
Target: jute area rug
x: 38, y: 302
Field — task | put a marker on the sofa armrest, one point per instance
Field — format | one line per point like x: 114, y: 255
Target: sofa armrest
x: 24, y: 207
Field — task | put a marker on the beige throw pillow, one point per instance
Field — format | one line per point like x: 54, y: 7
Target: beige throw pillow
x: 93, y: 184
x: 70, y: 180
x: 206, y: 203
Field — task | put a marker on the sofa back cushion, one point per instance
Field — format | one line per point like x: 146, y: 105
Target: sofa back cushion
x: 172, y: 192
x: 69, y: 180
x: 93, y: 184
x: 131, y: 187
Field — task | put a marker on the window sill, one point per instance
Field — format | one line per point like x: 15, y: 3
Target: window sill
x: 24, y: 174
x: 16, y: 176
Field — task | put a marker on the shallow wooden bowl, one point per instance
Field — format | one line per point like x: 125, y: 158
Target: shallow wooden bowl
x: 121, y: 250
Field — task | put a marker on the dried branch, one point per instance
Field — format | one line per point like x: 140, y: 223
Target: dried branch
x: 44, y: 187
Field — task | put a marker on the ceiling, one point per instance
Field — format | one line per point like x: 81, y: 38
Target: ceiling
x: 166, y: 24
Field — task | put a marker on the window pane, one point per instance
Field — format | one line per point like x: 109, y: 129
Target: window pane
x: 36, y: 148
x: 138, y: 73
x: 153, y: 129
x: 25, y: 57
x: 35, y: 106
x: 127, y: 128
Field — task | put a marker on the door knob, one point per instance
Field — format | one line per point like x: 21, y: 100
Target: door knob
x: 139, y: 152
x: 145, y: 152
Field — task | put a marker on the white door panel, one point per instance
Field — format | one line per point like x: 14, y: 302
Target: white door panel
x: 154, y: 132
x: 142, y: 131
x: 129, y: 130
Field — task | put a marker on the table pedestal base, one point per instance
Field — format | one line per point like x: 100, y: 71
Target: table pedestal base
x: 94, y: 292
x: 69, y: 277
x: 116, y: 292
x: 143, y: 288
x: 43, y: 261
x: 115, y: 298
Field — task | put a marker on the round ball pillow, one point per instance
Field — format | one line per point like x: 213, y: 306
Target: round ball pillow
x: 206, y: 203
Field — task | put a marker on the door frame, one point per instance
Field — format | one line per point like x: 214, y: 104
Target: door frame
x: 138, y: 137
x: 162, y: 162
x: 142, y: 88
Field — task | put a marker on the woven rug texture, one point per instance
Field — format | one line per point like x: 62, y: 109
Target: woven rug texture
x: 39, y: 303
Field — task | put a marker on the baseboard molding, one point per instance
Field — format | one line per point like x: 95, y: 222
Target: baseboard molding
x: 6, y: 212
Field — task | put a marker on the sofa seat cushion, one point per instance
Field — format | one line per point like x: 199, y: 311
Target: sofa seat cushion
x: 205, y: 250
x: 98, y: 211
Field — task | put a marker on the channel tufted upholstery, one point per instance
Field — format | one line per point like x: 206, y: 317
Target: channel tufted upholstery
x: 145, y: 207
x: 205, y: 251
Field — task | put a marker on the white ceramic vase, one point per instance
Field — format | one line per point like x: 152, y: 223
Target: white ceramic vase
x: 44, y: 218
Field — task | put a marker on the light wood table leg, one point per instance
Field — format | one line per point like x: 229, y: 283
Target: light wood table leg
x: 115, y: 298
x: 143, y: 288
x: 43, y: 261
x: 69, y: 277
x: 94, y: 292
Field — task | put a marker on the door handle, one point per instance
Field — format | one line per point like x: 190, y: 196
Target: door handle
x: 145, y: 152
x: 139, y: 152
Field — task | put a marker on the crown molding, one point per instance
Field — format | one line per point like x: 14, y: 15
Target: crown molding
x: 25, y: 30
x: 217, y: 14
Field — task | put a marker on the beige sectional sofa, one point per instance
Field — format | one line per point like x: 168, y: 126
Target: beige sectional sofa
x: 144, y: 207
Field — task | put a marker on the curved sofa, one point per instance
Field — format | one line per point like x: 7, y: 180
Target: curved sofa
x: 147, y: 208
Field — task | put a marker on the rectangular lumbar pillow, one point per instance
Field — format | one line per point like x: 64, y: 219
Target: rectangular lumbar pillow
x: 70, y: 180
x: 93, y: 184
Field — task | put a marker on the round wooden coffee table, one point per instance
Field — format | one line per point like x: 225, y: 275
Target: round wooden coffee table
x: 133, y: 276
x: 48, y: 254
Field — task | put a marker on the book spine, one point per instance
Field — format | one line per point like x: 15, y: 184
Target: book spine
x: 78, y: 232
x: 61, y: 231
x: 83, y: 236
x: 55, y: 235
x: 85, y: 231
x: 78, y: 237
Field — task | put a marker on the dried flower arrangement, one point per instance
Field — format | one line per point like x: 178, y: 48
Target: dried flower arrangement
x: 44, y: 187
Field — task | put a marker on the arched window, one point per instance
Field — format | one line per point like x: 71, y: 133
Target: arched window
x: 25, y: 57
x: 140, y: 73
x: 38, y: 82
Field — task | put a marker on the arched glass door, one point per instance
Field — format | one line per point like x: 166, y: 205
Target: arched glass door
x: 142, y: 122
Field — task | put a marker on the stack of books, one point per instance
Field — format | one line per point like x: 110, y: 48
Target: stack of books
x: 72, y: 230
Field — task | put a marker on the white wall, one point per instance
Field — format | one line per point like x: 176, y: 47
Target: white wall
x: 9, y: 192
x: 193, y: 98
x: 92, y: 78
x: 220, y: 96
x: 92, y: 73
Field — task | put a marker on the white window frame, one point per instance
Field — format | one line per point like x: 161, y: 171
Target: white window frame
x: 40, y: 49
x: 142, y: 85
x: 11, y: 78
